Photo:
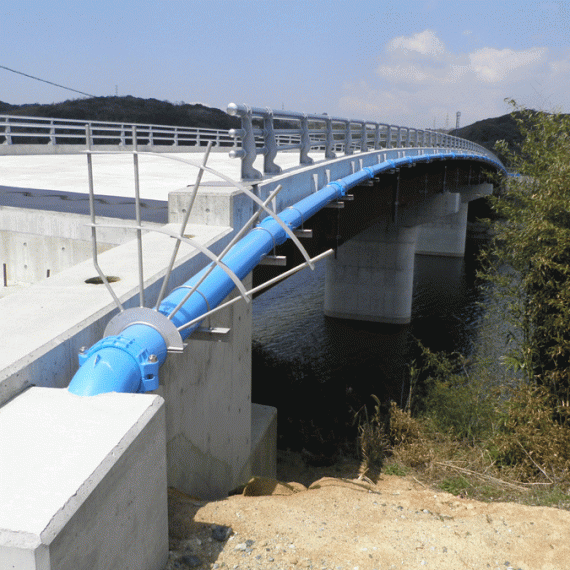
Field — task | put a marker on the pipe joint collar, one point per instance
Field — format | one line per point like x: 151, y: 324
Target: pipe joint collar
x: 340, y: 186
x: 147, y: 363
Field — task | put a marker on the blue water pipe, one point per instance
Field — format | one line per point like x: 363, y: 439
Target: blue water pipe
x: 129, y: 362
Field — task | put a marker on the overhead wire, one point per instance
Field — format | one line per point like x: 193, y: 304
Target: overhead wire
x: 46, y: 81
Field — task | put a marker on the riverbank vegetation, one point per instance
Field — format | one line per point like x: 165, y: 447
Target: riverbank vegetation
x: 496, y: 426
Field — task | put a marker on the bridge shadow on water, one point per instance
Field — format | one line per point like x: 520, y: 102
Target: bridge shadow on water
x: 320, y: 371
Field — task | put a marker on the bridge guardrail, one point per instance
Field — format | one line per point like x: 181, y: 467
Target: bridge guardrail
x: 16, y: 129
x: 264, y: 132
x: 268, y: 132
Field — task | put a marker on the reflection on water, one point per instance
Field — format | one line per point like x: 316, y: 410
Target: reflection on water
x: 318, y: 371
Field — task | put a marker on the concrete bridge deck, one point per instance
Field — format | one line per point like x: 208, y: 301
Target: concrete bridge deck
x: 113, y: 173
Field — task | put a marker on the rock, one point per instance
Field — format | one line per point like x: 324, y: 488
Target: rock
x: 348, y: 483
x: 190, y: 560
x: 221, y: 533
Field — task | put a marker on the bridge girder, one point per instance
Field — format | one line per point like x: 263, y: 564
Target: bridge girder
x: 383, y: 199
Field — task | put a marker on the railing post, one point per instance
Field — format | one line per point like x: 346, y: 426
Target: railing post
x: 376, y: 136
x: 123, y: 139
x: 399, y: 137
x: 247, y: 152
x: 329, y: 147
x: 363, y: 138
x: 348, y: 139
x: 175, y: 141
x: 51, y: 132
x: 270, y: 143
x: 7, y: 131
x: 150, y: 136
x: 305, y: 142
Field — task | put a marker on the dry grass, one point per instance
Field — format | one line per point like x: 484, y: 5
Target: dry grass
x: 526, y: 460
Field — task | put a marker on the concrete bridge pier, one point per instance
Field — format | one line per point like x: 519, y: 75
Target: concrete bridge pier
x: 371, y: 277
x: 446, y: 236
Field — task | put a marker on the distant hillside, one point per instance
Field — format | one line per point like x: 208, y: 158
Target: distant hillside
x: 128, y: 109
x: 489, y: 131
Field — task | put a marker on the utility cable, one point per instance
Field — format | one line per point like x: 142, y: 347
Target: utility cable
x: 46, y: 81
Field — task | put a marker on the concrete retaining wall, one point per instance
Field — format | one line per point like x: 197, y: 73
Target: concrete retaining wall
x: 38, y: 244
x: 213, y: 437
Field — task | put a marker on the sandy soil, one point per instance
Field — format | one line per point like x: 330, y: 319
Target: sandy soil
x: 343, y: 524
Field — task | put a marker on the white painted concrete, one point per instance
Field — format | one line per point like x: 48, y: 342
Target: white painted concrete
x: 83, y: 482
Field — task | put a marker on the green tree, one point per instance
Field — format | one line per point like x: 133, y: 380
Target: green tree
x: 529, y: 261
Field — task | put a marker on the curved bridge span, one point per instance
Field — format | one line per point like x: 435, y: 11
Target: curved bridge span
x: 165, y: 346
x: 365, y: 207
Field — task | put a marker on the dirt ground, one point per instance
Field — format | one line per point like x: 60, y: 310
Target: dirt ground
x: 347, y: 524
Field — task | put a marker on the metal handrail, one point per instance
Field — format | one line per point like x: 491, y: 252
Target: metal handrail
x: 267, y: 132
x: 263, y: 131
x: 16, y: 129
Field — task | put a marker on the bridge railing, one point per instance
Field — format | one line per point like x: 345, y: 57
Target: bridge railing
x: 267, y: 132
x: 21, y: 130
x: 264, y: 132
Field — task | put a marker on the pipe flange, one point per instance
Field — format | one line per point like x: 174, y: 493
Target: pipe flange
x: 148, y: 317
x: 148, y: 363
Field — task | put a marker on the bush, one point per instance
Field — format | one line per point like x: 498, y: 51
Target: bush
x: 530, y: 440
x: 529, y: 260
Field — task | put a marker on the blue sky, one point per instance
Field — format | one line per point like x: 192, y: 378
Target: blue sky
x: 406, y: 62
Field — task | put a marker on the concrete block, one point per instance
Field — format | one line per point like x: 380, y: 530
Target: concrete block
x: 213, y: 205
x: 83, y: 482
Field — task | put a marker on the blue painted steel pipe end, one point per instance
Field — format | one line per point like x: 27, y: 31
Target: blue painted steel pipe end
x: 115, y: 364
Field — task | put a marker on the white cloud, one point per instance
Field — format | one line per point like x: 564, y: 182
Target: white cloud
x: 493, y: 65
x: 420, y: 79
x: 406, y: 73
x: 425, y: 43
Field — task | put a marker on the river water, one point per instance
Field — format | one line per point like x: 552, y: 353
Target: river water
x: 318, y: 371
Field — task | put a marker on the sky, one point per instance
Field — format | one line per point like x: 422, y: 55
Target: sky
x: 412, y: 63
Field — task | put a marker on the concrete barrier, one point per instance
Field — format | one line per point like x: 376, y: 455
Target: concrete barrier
x: 83, y: 482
